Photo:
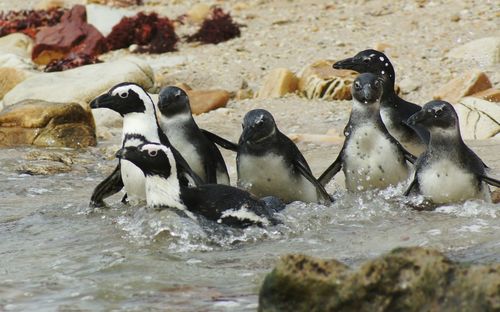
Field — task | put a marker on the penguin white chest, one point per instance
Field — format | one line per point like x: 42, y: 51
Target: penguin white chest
x: 372, y: 161
x: 270, y: 175
x: 180, y: 141
x: 133, y: 181
x: 445, y: 182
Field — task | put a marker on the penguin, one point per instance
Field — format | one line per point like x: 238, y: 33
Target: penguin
x: 448, y: 171
x: 370, y: 157
x: 393, y: 109
x: 140, y: 125
x: 269, y: 163
x: 176, y: 121
x: 221, y: 203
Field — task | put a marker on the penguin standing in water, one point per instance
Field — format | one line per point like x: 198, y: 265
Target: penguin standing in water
x: 139, y: 126
x: 217, y: 202
x: 176, y: 121
x: 393, y: 109
x: 370, y: 158
x: 448, y: 171
x: 269, y: 163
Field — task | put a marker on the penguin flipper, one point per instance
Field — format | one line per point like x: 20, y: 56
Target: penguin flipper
x: 220, y: 141
x: 413, y: 187
x: 331, y: 171
x: 186, y: 175
x: 490, y: 180
x: 111, y: 185
x: 210, y: 173
x: 300, y: 166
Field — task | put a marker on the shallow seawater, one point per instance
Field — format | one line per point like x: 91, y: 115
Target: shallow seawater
x: 56, y: 253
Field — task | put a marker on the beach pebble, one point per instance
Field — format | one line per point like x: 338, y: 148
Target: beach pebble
x: 34, y: 122
x: 277, y: 83
x: 465, y: 84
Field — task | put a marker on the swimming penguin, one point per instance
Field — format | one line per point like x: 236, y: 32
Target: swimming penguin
x: 178, y: 124
x: 269, y: 163
x: 217, y: 202
x: 139, y: 125
x: 448, y: 171
x: 370, y: 158
x: 393, y: 109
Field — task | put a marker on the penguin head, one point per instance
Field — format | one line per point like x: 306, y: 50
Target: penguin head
x: 367, y: 88
x: 258, y: 126
x: 124, y: 98
x: 435, y: 116
x: 151, y: 158
x: 172, y: 101
x: 368, y: 61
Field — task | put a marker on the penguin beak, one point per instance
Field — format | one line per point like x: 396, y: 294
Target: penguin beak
x: 417, y: 118
x: 347, y: 63
x: 121, y: 153
x: 247, y: 134
x: 102, y: 101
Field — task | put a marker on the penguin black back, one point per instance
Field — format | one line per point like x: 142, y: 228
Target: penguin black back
x: 220, y: 203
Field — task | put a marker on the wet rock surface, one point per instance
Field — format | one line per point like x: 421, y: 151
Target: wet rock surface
x: 39, y: 123
x: 406, y: 279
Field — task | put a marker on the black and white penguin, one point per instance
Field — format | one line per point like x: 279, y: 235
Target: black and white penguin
x: 217, y: 202
x: 140, y: 125
x: 393, y: 109
x: 448, y: 171
x: 370, y: 157
x: 176, y: 121
x: 269, y: 163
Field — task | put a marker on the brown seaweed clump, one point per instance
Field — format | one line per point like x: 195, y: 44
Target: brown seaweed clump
x: 153, y: 34
x: 73, y: 60
x: 218, y: 28
x: 28, y: 21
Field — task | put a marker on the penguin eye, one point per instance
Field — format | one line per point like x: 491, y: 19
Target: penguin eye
x: 366, y: 60
x: 152, y: 153
x: 357, y: 85
x: 123, y: 95
x: 376, y: 84
x: 259, y: 122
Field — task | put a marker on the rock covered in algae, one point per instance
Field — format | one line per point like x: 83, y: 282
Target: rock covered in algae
x: 406, y: 279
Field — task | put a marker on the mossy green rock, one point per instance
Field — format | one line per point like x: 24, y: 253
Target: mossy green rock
x: 406, y: 279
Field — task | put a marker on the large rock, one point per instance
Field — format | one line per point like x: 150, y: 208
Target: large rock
x: 485, y: 51
x: 72, y: 34
x: 46, y: 124
x: 492, y: 95
x: 463, y: 85
x: 15, y: 51
x: 406, y: 279
x: 104, y: 17
x: 277, y: 83
x: 81, y: 85
x: 17, y: 43
x: 320, y: 81
x: 479, y: 119
x: 9, y: 78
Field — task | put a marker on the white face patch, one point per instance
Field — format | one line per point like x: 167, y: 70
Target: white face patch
x: 372, y: 55
x: 153, y: 149
x: 244, y: 214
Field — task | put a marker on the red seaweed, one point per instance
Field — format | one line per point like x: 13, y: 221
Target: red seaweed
x: 71, y: 61
x: 218, y: 28
x: 153, y: 34
x: 28, y: 21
